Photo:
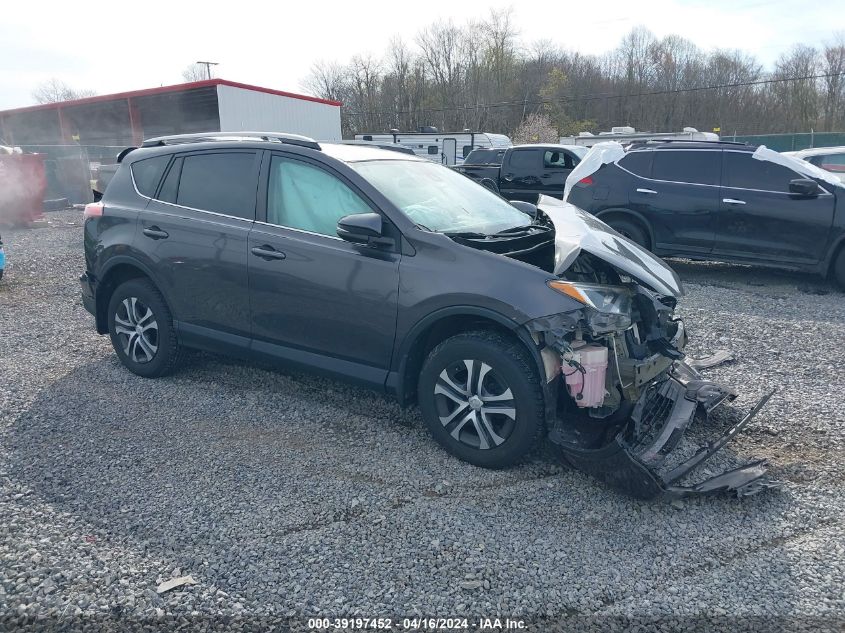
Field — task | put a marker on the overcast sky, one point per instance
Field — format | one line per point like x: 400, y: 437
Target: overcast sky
x: 117, y: 46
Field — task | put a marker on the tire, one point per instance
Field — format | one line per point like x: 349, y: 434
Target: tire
x: 153, y: 351
x: 839, y: 268
x: 464, y: 420
x: 632, y: 230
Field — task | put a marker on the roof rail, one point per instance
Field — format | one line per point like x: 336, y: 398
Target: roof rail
x: 654, y: 141
x: 272, y: 137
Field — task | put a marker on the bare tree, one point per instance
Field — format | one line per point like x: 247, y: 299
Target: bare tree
x: 55, y: 90
x: 195, y: 72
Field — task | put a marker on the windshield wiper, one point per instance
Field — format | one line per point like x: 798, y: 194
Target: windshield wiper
x: 465, y: 234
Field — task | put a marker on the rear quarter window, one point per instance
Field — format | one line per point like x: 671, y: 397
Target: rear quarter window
x: 147, y: 174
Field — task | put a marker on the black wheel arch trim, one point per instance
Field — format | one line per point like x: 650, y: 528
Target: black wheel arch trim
x: 830, y: 257
x: 634, y: 214
x: 124, y: 260
x: 396, y: 380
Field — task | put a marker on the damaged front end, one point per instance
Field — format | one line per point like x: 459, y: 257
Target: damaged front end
x: 622, y: 403
x: 626, y: 399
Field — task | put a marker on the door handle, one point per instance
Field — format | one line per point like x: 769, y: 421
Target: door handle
x: 155, y: 233
x: 732, y: 201
x: 641, y: 190
x: 507, y: 177
x: 267, y: 252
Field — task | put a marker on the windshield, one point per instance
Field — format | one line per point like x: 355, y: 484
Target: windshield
x: 439, y: 199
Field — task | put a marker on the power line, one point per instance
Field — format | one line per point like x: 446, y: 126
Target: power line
x: 596, y: 97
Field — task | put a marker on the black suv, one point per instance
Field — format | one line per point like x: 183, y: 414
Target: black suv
x: 720, y: 201
x: 404, y: 276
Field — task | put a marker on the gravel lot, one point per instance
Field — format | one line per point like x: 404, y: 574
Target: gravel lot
x: 289, y: 495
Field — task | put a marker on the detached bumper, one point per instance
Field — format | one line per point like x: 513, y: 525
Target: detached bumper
x: 640, y: 459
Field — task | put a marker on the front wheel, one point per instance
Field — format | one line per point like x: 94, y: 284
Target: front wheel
x: 141, y: 329
x: 480, y: 396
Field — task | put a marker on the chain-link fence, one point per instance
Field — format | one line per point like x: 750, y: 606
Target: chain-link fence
x: 791, y: 142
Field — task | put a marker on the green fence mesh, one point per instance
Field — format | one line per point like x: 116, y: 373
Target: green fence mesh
x: 791, y: 142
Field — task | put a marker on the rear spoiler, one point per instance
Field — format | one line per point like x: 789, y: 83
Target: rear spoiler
x: 123, y: 154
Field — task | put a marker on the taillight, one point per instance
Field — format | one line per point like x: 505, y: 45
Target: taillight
x: 93, y: 210
x: 586, y: 181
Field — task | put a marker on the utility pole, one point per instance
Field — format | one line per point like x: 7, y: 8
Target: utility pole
x: 208, y: 66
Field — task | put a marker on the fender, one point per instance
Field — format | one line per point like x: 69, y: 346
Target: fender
x: 117, y: 260
x: 396, y: 379
x: 634, y: 214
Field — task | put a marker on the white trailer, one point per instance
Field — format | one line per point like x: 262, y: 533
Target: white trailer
x: 624, y: 134
x: 447, y: 148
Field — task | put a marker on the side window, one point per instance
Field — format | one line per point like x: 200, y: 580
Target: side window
x: 638, y: 163
x: 466, y: 150
x: 148, y: 172
x: 744, y: 172
x: 433, y: 150
x: 696, y: 167
x: 223, y: 183
x: 555, y: 159
x: 305, y: 197
x: 523, y: 159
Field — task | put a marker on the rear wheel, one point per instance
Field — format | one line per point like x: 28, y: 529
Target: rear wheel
x: 480, y: 396
x: 141, y: 329
x: 632, y: 230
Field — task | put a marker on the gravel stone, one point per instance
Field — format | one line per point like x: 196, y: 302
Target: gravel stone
x: 282, y: 493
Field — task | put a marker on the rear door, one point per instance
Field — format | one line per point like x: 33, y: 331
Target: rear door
x: 195, y: 232
x: 520, y: 174
x: 760, y: 219
x: 680, y: 198
x: 317, y: 299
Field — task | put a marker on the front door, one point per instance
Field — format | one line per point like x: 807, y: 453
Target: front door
x: 315, y: 298
x: 557, y: 164
x: 760, y: 219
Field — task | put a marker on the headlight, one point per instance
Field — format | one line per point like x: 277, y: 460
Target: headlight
x: 609, y: 306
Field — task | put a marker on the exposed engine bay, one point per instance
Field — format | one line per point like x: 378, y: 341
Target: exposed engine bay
x: 620, y: 395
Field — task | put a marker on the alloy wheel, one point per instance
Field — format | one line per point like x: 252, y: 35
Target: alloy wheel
x: 137, y: 330
x: 475, y: 404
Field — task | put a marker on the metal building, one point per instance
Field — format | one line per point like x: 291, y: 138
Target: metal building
x: 127, y: 118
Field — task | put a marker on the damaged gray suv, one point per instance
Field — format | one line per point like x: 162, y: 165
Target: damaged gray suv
x: 505, y: 322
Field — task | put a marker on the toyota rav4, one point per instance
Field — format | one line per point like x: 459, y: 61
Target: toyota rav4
x: 504, y: 321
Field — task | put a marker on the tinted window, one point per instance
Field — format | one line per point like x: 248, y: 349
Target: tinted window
x: 466, y: 150
x: 148, y: 172
x: 223, y: 183
x: 524, y: 159
x: 638, y: 163
x: 485, y: 157
x: 432, y: 149
x: 699, y: 167
x: 305, y: 197
x: 745, y: 172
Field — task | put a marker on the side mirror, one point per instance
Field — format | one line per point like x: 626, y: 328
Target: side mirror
x: 804, y: 187
x: 362, y: 228
x: 526, y: 207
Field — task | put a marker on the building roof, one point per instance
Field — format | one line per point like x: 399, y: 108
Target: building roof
x: 168, y: 89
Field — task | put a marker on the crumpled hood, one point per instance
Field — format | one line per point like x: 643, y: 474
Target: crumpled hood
x: 576, y: 229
